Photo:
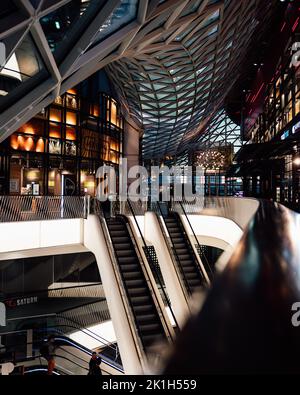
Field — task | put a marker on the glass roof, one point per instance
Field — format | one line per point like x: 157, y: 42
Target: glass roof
x: 171, y: 63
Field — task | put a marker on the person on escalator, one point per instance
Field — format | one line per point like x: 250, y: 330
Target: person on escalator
x: 94, y: 365
x: 48, y: 352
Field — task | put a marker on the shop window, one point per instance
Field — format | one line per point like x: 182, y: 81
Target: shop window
x: 114, y: 157
x: 58, y: 100
x: 55, y: 115
x: 113, y: 118
x: 32, y: 181
x: 105, y: 148
x: 73, y: 91
x: 54, y: 146
x: 40, y: 145
x: 27, y: 143
x: 89, y: 143
x: 70, y: 133
x: 95, y: 110
x: 70, y: 148
x: 14, y: 143
x: 71, y: 118
x: 114, y: 144
x: 54, y: 130
x: 87, y: 182
x: 35, y: 127
x: 71, y: 101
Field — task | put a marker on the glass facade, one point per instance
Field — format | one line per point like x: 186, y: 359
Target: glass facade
x: 59, y: 151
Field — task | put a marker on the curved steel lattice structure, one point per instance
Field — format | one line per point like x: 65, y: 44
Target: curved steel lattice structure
x: 172, y: 62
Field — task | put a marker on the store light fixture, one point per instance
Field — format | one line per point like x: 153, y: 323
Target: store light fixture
x: 296, y: 161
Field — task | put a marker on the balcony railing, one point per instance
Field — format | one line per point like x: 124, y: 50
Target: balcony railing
x: 38, y: 208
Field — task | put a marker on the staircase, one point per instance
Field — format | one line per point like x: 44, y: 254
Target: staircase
x: 147, y: 320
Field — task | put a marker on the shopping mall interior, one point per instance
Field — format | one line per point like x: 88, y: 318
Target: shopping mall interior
x: 196, y: 96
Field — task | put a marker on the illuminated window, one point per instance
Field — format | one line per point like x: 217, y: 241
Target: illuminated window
x: 40, y: 145
x: 55, y: 115
x: 72, y: 91
x: 71, y: 101
x: 114, y: 118
x: 54, y: 130
x: 14, y: 142
x: 94, y: 110
x: 58, y: 100
x: 70, y: 148
x: 70, y: 133
x: 54, y: 146
x: 71, y: 118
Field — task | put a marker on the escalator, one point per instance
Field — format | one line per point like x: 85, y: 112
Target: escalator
x: 145, y: 311
x: 189, y: 269
x: 71, y: 357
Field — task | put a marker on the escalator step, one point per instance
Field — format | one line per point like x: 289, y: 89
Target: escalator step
x: 141, y: 300
x: 184, y: 257
x: 189, y: 269
x: 122, y: 246
x: 130, y: 268
x: 127, y: 259
x: 191, y: 276
x: 143, y: 309
x: 132, y: 276
x: 182, y: 251
x: 178, y: 245
x: 148, y: 340
x: 146, y: 318
x: 120, y: 239
x: 187, y: 262
x: 134, y: 283
x: 118, y: 233
x: 137, y: 291
x: 154, y: 328
x: 124, y: 253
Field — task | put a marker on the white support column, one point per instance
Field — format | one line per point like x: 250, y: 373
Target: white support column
x: 29, y: 343
x: 179, y: 301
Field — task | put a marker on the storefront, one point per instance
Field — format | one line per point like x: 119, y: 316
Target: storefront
x: 58, y: 152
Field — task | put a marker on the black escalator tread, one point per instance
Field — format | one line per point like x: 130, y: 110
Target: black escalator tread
x: 185, y: 255
x: 134, y: 283
x: 141, y: 300
x: 127, y: 259
x: 151, y: 338
x: 134, y: 267
x: 140, y: 310
x: 149, y: 328
x: 146, y: 316
x: 122, y: 246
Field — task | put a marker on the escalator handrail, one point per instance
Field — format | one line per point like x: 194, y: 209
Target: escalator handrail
x: 81, y: 330
x: 72, y: 344
x: 95, y: 336
x: 90, y: 333
x: 104, y: 358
